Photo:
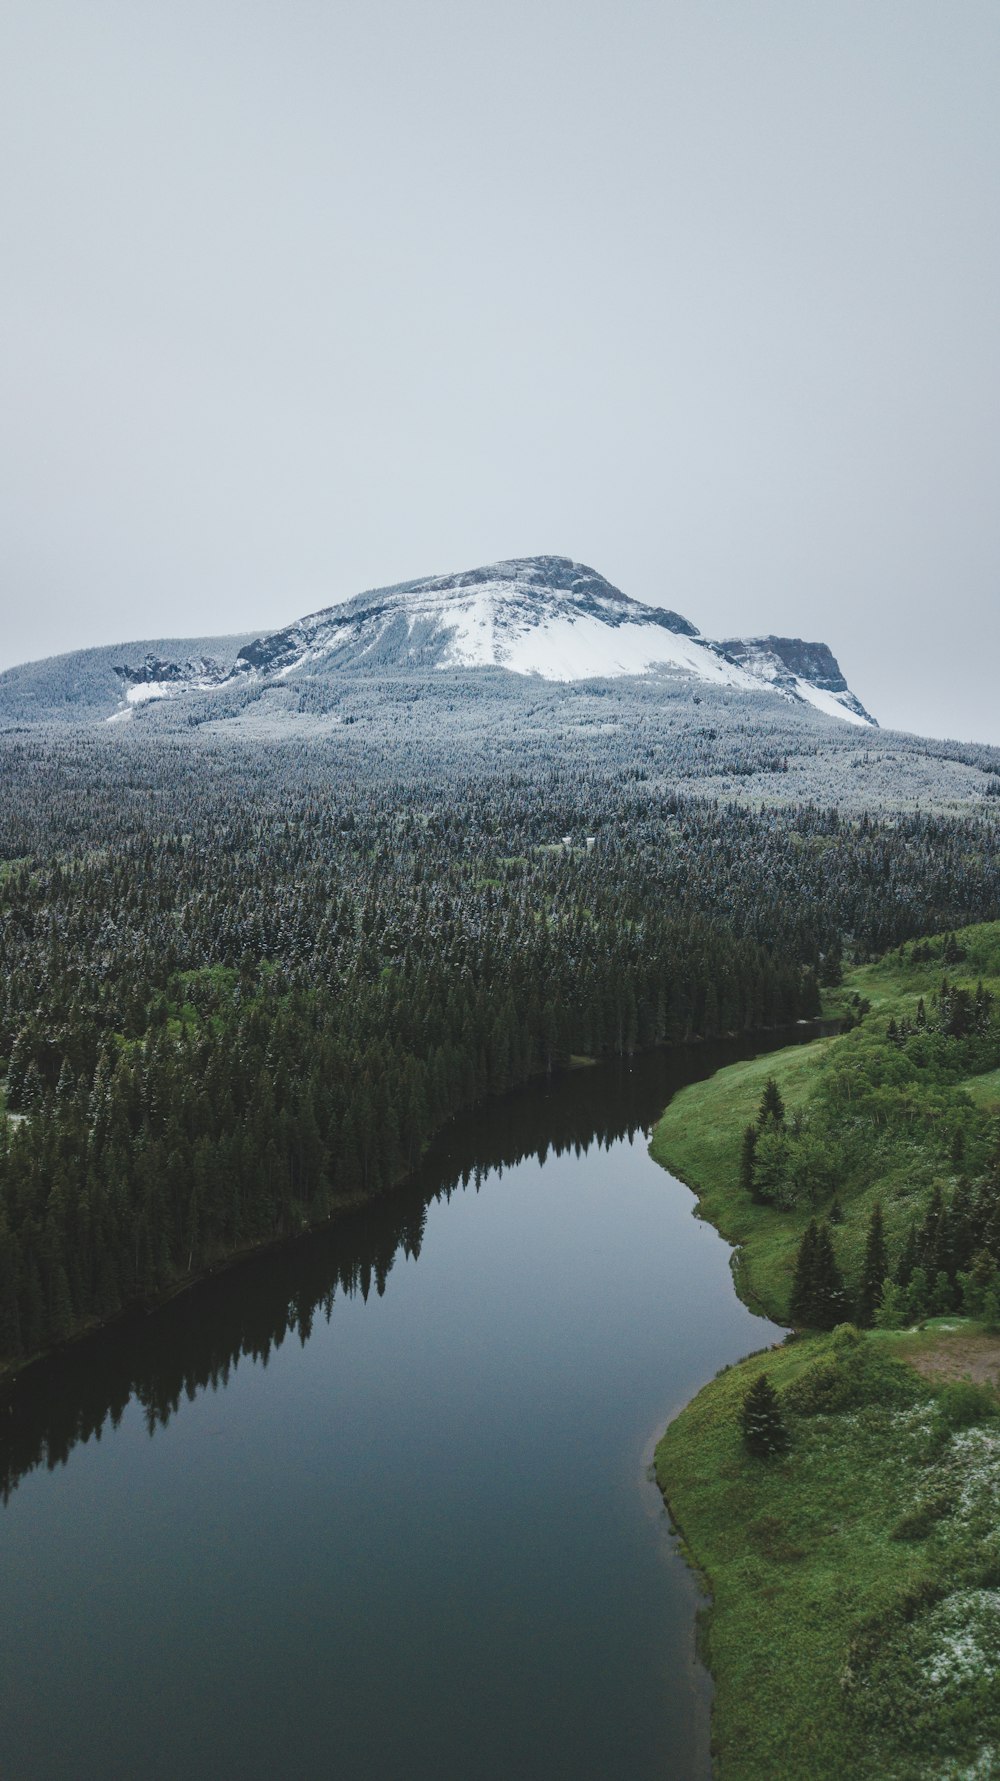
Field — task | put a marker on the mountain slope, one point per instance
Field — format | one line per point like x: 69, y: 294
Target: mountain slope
x: 88, y: 683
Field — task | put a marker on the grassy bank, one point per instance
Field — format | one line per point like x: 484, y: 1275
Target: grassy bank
x: 855, y: 1623
x: 868, y: 1119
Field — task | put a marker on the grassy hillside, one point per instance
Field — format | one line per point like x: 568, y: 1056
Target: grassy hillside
x: 855, y: 1625
x: 888, y: 1112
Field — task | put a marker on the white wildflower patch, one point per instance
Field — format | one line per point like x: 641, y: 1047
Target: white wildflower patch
x: 907, y: 1435
x: 985, y: 1765
x: 964, y: 1636
x: 974, y: 1469
x: 916, y: 1419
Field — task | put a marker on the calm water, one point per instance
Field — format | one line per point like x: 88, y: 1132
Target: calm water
x: 377, y: 1505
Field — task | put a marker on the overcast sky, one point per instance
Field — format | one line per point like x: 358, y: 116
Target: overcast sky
x: 304, y: 297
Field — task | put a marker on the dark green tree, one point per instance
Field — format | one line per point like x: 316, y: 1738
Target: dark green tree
x: 748, y: 1155
x: 772, y: 1106
x: 818, y: 1299
x: 803, y: 1285
x: 831, y: 971
x: 761, y: 1422
x: 874, y: 1269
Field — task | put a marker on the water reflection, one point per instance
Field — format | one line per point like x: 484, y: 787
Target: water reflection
x: 196, y: 1342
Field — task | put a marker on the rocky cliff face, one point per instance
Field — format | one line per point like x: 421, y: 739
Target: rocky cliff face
x: 808, y: 671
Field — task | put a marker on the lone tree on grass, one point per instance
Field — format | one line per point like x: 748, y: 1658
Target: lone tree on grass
x: 772, y: 1105
x: 761, y: 1421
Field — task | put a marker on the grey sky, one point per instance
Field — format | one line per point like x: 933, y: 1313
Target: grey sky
x: 300, y: 298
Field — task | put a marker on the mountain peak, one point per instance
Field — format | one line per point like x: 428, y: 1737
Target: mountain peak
x: 542, y: 615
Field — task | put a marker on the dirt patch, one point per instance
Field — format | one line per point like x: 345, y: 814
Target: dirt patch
x: 975, y: 1357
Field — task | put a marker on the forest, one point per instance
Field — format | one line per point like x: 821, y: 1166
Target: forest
x: 241, y: 989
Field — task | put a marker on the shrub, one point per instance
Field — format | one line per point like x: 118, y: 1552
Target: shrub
x: 961, y: 1404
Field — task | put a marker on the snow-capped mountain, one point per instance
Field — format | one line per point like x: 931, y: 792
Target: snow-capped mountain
x: 544, y: 616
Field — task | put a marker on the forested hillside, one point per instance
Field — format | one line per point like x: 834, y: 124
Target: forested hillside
x: 240, y: 989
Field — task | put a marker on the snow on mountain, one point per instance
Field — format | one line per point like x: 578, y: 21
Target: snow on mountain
x: 534, y: 615
x: 158, y: 679
x: 806, y: 671
x: 544, y: 616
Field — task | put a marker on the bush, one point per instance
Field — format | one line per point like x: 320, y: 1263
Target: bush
x: 961, y: 1404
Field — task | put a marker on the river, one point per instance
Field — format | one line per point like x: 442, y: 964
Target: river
x: 377, y: 1504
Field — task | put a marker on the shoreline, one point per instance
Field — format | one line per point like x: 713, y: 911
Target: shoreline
x: 12, y: 1372
x: 833, y: 1609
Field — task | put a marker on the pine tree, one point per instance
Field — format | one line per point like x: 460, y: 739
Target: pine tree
x: 831, y: 973
x: 772, y: 1106
x: 942, y: 1297
x: 761, y: 1422
x: 818, y: 1299
x: 800, y: 1305
x: 21, y: 1056
x: 831, y: 1299
x: 892, y: 1312
x: 874, y: 1269
x: 908, y: 1258
x: 918, y: 1294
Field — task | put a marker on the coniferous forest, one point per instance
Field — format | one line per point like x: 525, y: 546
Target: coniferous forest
x: 241, y: 990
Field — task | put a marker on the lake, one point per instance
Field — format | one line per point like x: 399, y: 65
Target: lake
x: 377, y: 1504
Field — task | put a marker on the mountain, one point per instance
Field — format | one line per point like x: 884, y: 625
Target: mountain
x: 543, y: 616
x: 523, y: 668
x: 90, y: 683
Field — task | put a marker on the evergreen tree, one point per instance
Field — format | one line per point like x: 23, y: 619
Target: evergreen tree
x: 892, y: 1312
x: 772, y: 1186
x: 761, y: 1422
x: 772, y: 1106
x: 874, y: 1269
x: 20, y: 1058
x: 818, y: 1300
x: 800, y: 1305
x: 831, y: 1299
x: 942, y: 1298
x: 908, y: 1258
x: 831, y: 972
x: 918, y: 1295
